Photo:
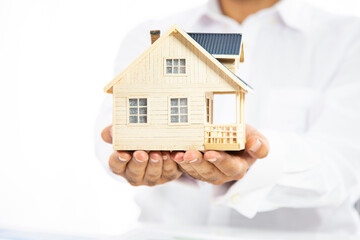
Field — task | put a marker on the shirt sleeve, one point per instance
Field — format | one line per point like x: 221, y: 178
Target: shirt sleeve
x: 318, y: 168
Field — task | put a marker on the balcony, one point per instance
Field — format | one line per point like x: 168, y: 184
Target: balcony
x: 224, y: 137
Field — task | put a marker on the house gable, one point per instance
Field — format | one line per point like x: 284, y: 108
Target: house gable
x: 153, y: 58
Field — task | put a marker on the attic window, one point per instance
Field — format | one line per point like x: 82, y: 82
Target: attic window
x: 179, y: 110
x: 175, y: 66
x: 137, y: 110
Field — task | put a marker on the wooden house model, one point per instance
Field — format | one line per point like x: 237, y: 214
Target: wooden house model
x: 164, y: 99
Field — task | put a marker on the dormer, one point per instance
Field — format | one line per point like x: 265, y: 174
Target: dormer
x: 227, y: 48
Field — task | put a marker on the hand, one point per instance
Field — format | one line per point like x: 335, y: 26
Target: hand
x: 140, y: 167
x: 218, y: 167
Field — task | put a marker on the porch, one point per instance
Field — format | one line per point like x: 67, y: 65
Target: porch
x: 228, y: 137
x: 224, y: 136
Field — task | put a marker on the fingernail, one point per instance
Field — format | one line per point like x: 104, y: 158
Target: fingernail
x: 256, y: 146
x: 165, y: 157
x: 111, y: 131
x: 122, y: 159
x: 138, y: 160
x: 212, y: 160
x: 154, y: 160
x: 192, y: 161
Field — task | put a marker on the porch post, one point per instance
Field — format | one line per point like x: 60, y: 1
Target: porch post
x: 238, y: 108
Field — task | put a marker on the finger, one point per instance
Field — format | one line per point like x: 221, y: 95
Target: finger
x: 170, y: 168
x: 106, y: 134
x: 257, y: 146
x: 135, y: 169
x: 178, y: 157
x: 153, y: 169
x: 118, y: 161
x: 205, y: 169
x: 230, y: 165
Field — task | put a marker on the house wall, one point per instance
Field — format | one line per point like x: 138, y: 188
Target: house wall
x: 147, y: 78
x: 158, y: 134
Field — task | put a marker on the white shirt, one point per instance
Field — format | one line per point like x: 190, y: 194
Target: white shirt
x: 304, y: 65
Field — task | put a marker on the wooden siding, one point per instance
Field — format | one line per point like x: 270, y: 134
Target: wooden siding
x: 202, y: 75
x: 148, y: 80
x: 157, y: 134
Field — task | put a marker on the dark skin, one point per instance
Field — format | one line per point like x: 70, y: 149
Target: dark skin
x: 215, y: 167
x: 152, y: 168
x: 241, y: 9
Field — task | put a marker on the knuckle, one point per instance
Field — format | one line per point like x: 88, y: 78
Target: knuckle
x: 130, y: 178
x: 113, y: 165
x: 150, y: 182
x: 131, y: 172
x: 240, y: 175
x: 217, y: 182
x: 194, y: 174
x: 232, y: 171
x: 132, y: 182
x: 212, y: 178
x: 171, y: 176
x: 152, y: 175
x: 167, y: 172
x: 208, y: 174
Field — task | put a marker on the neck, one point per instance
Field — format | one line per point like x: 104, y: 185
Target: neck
x: 240, y: 9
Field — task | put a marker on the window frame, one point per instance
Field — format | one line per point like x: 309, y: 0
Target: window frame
x: 188, y: 110
x: 176, y: 74
x: 138, y: 114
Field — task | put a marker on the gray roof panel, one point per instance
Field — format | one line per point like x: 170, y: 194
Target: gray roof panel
x: 219, y: 43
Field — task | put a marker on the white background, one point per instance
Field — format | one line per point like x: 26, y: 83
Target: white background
x: 55, y: 58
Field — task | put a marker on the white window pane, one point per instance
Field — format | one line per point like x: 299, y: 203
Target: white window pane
x: 142, y: 102
x: 182, y: 62
x: 183, y: 110
x: 174, y: 119
x: 184, y: 118
x: 174, y: 102
x: 143, y: 110
x: 175, y: 70
x: 133, y: 119
x: 168, y: 69
x: 176, y: 62
x: 169, y: 62
x: 143, y: 119
x: 182, y: 70
x: 183, y: 101
x: 174, y: 110
x: 133, y: 111
x: 133, y: 102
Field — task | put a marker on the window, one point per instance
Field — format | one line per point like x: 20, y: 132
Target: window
x: 137, y: 110
x: 179, y: 110
x: 175, y: 66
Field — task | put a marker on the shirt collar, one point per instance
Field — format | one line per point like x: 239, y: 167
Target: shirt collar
x: 293, y: 13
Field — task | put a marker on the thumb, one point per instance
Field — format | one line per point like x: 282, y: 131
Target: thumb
x: 256, y: 144
x: 106, y: 134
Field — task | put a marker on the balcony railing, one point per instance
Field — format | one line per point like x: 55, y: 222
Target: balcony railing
x: 224, y: 137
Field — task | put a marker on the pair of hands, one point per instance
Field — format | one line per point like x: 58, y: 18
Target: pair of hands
x: 215, y: 167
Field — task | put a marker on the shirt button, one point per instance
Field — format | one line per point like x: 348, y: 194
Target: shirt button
x: 236, y: 198
x: 273, y: 21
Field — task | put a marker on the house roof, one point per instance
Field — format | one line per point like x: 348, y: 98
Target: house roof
x: 236, y: 80
x: 219, y: 43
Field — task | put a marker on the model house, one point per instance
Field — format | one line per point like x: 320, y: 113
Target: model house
x: 164, y: 99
